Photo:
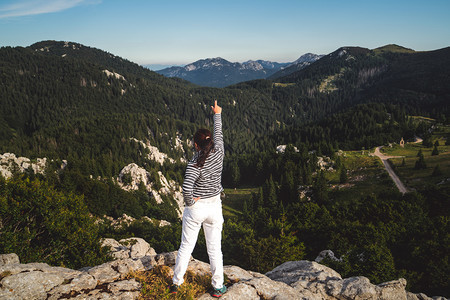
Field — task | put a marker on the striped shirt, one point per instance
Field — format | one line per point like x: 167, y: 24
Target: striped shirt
x: 205, y: 182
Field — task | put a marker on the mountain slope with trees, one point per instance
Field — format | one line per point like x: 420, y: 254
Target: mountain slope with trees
x: 416, y: 81
x: 66, y: 101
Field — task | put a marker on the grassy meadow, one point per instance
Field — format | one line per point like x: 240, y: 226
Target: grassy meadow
x: 405, y: 164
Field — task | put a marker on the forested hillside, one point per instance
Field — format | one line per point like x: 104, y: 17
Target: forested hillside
x: 69, y: 102
x: 415, y: 82
x: 52, y: 83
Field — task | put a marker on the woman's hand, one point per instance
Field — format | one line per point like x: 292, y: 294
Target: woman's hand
x: 216, y: 108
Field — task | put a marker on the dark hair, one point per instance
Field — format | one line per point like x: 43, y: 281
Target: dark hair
x: 205, y: 144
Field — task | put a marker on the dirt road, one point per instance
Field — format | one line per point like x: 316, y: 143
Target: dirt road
x: 401, y: 187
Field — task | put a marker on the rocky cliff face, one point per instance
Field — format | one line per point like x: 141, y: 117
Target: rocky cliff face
x: 10, y: 163
x: 137, y: 175
x: 291, y: 280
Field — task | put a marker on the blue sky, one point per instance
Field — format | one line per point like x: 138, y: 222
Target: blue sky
x: 173, y: 32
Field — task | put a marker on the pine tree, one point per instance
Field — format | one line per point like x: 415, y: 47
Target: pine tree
x: 437, y: 171
x: 245, y: 210
x: 435, y: 150
x: 320, y: 188
x: 343, y: 178
x: 235, y: 173
x: 270, y: 196
x: 419, y: 153
x: 420, y: 163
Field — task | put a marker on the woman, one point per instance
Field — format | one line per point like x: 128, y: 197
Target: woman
x: 201, y: 191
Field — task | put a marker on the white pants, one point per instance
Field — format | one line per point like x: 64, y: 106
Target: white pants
x: 206, y: 212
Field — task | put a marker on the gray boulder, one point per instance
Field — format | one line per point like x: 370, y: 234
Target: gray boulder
x: 167, y: 258
x: 41, y: 281
x: 128, y: 248
x: 138, y: 247
x: 394, y: 289
x: 236, y: 274
x: 11, y: 258
x: 293, y: 271
x: 271, y: 289
x: 352, y: 288
x: 80, y: 283
x: 124, y: 286
x: 314, y: 281
x: 326, y: 254
x: 30, y: 285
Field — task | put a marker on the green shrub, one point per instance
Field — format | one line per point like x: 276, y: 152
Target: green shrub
x: 41, y: 224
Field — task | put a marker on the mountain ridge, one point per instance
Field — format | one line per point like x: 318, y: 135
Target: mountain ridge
x: 218, y: 72
x: 299, y: 64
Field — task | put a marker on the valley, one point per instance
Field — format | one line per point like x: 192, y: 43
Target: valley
x: 322, y: 190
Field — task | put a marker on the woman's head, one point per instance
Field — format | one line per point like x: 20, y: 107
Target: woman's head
x: 201, y: 138
x: 204, y: 144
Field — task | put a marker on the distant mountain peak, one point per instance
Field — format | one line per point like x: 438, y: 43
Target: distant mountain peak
x: 219, y: 72
x: 206, y: 63
x: 51, y: 44
x: 349, y: 52
x: 394, y: 48
x: 308, y: 57
x: 302, y: 62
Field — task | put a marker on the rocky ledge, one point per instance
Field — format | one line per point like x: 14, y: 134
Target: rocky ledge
x: 291, y: 280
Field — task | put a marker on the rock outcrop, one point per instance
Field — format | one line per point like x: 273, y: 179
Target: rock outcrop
x: 326, y: 254
x: 289, y: 281
x: 129, y: 248
x: 9, y: 164
x: 126, y: 220
x: 132, y: 176
x: 107, y: 281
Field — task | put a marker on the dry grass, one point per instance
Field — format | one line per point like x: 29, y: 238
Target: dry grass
x: 5, y: 274
x: 279, y: 84
x: 156, y: 283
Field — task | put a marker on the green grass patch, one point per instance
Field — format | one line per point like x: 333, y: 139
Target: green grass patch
x: 366, y: 175
x: 229, y: 212
x: 279, y: 84
x: 405, y: 167
x: 419, y: 178
x: 392, y: 48
x: 233, y: 202
x: 420, y: 118
x: 441, y: 131
x: 410, y: 149
x: 355, y: 160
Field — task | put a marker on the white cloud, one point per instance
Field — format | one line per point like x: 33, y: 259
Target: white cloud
x: 35, y: 7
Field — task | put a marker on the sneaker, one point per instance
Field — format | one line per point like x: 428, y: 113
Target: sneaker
x: 219, y: 292
x: 174, y: 289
